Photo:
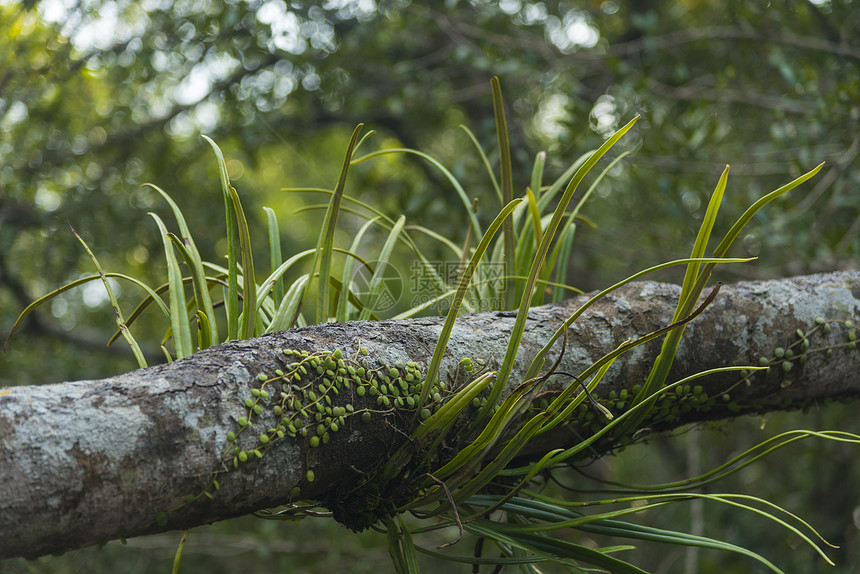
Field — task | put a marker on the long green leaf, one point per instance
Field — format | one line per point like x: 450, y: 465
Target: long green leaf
x: 465, y: 279
x: 432, y: 273
x: 231, y: 298
x: 275, y: 258
x: 342, y: 314
x: 195, y: 264
x: 152, y: 296
x: 120, y: 322
x: 377, y: 284
x: 467, y: 203
x: 325, y: 243
x: 541, y: 355
x: 506, y: 178
x: 288, y: 311
x: 249, y: 286
x: 536, y: 510
x: 238, y: 247
x: 519, y: 324
x: 179, y: 319
x: 204, y: 333
x: 485, y: 161
x: 553, y: 549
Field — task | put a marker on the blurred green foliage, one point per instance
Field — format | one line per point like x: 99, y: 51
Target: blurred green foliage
x: 98, y: 97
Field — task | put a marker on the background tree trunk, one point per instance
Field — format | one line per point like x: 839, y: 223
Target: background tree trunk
x: 90, y: 461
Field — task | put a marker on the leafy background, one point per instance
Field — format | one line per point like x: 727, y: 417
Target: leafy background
x: 98, y: 97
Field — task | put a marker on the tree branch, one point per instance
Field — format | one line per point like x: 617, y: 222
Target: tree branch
x: 90, y: 461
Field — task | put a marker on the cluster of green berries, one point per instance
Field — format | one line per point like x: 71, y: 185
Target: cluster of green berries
x: 799, y: 350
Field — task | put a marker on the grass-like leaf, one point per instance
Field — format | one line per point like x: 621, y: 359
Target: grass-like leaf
x: 120, y: 322
x: 179, y: 320
x: 401, y: 547
x: 195, y: 264
x: 486, y: 162
x: 553, y: 549
x: 461, y: 192
x: 506, y: 179
x: 377, y: 284
x: 231, y: 297
x: 538, y: 360
x: 519, y: 324
x: 560, y: 517
x: 152, y: 296
x: 342, y: 314
x: 453, y: 312
x: 325, y: 243
x: 275, y: 258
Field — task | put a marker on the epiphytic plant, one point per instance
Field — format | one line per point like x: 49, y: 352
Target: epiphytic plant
x: 482, y: 486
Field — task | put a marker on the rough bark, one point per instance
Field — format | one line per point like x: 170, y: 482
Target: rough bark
x: 90, y: 461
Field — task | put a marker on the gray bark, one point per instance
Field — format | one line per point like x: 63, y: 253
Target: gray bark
x: 90, y: 461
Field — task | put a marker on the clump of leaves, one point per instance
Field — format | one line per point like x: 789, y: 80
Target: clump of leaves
x: 531, y: 239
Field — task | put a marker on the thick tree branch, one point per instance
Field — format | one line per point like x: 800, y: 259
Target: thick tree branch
x: 89, y: 461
